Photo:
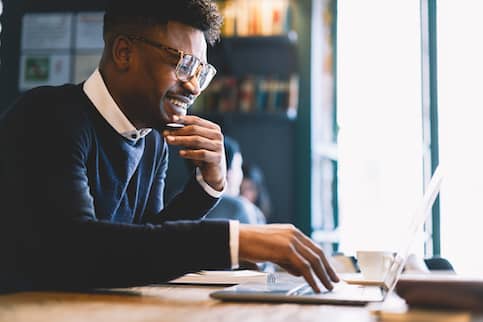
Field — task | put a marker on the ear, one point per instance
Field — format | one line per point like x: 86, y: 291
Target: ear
x: 122, y: 52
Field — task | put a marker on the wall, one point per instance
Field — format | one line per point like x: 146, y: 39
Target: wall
x: 11, y: 37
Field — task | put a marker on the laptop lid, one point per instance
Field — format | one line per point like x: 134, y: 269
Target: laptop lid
x: 418, y: 218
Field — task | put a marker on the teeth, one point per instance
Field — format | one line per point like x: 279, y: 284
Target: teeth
x: 177, y: 102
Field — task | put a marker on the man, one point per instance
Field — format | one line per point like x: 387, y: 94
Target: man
x: 83, y: 167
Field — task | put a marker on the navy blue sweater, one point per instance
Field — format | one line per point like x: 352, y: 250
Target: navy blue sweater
x: 82, y: 207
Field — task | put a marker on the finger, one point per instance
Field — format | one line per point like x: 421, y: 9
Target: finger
x: 194, y: 142
x: 304, y: 268
x: 321, y: 254
x: 195, y: 130
x: 289, y: 268
x: 195, y: 120
x: 201, y: 155
x: 315, y: 263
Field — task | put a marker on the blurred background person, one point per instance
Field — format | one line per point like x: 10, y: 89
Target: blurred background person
x: 232, y: 205
x: 253, y: 188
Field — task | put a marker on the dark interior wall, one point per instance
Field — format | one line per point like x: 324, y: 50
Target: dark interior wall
x: 269, y: 141
x: 11, y: 36
x: 9, y: 52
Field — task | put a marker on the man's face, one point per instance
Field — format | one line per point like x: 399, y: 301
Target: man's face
x: 153, y: 92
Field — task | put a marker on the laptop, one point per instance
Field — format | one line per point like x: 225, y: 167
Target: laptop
x: 296, y: 291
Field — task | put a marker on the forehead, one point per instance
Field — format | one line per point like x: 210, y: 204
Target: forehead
x: 183, y: 37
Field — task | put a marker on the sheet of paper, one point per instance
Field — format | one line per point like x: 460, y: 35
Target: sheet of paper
x: 47, y: 31
x: 89, y: 30
x: 226, y: 277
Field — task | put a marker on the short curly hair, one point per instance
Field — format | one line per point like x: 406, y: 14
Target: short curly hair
x: 200, y: 14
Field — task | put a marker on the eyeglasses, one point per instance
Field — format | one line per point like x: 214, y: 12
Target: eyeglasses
x: 188, y: 66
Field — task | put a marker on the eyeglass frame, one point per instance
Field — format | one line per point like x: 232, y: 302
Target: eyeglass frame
x: 181, y: 54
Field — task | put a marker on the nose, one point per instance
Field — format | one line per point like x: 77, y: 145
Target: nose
x: 192, y: 85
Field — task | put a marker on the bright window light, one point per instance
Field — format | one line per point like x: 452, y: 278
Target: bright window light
x: 460, y: 100
x: 380, y: 121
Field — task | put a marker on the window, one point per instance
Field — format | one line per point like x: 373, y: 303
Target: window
x: 380, y: 146
x: 1, y: 11
x: 460, y: 111
x: 324, y: 156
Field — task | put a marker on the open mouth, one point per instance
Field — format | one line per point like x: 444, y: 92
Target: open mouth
x: 178, y: 103
x: 174, y: 105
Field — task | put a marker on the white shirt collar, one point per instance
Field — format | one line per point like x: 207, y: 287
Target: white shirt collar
x: 97, y: 92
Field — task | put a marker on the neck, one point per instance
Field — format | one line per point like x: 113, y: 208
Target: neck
x: 116, y: 90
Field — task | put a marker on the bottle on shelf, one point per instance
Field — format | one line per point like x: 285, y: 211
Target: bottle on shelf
x: 256, y: 18
x: 250, y: 94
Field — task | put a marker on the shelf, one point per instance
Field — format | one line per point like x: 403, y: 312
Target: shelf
x: 288, y: 39
x: 248, y: 116
x: 257, y: 55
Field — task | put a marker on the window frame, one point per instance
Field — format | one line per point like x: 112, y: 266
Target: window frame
x: 429, y: 105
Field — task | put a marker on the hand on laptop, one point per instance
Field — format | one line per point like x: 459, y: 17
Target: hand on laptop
x: 288, y: 247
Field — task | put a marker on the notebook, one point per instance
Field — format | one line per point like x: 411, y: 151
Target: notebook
x: 343, y: 293
x: 443, y: 291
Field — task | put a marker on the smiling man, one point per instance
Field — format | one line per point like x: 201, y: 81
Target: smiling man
x: 82, y: 167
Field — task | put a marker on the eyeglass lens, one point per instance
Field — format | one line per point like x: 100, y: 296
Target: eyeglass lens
x: 188, y: 67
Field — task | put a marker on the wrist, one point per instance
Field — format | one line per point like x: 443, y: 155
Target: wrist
x: 217, y: 185
x: 207, y: 186
x: 244, y: 232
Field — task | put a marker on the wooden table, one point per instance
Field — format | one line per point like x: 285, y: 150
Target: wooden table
x: 186, y: 303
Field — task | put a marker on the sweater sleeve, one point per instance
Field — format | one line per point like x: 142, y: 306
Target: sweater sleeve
x: 70, y: 247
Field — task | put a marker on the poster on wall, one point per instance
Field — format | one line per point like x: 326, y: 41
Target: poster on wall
x: 46, y: 31
x: 44, y: 69
x: 89, y: 30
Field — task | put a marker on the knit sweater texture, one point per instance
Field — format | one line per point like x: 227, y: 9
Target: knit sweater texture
x: 82, y: 206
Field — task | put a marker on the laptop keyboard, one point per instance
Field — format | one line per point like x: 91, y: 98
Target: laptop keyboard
x: 342, y: 292
x: 305, y: 289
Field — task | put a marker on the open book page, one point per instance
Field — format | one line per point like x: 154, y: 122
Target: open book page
x: 225, y: 277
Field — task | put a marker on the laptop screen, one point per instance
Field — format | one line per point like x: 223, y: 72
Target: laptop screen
x: 417, y: 221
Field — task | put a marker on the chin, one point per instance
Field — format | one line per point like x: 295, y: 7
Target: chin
x: 164, y: 116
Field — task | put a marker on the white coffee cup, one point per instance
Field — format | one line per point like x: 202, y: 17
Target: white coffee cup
x: 374, y: 264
